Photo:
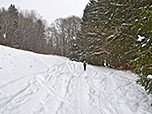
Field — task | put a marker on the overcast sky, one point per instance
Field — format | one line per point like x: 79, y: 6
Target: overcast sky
x: 49, y: 9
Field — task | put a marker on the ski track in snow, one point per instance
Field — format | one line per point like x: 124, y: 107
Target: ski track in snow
x: 67, y: 89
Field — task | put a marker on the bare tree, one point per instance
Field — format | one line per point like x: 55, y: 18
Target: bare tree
x: 27, y: 30
x: 63, y: 31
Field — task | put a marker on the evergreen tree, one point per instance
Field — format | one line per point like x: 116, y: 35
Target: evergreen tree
x: 16, y: 38
x: 143, y: 60
x: 90, y: 33
x: 125, y: 34
x: 78, y: 48
x: 107, y: 34
x: 40, y: 36
x: 12, y: 25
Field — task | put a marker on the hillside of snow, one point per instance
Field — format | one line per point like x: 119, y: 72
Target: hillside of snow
x: 45, y: 84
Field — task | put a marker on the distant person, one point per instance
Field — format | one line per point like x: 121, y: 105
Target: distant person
x: 84, y: 64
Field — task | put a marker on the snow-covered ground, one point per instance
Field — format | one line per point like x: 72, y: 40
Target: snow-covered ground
x: 45, y: 84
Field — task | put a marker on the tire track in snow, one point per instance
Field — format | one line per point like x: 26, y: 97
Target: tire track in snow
x: 14, y: 96
x: 132, y: 99
x: 82, y: 96
x: 50, y: 90
x: 14, y: 102
x: 4, y: 104
x: 81, y: 91
x: 75, y: 78
x: 75, y: 92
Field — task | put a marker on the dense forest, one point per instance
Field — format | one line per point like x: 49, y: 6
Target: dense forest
x: 117, y: 34
x: 111, y: 33
x: 27, y: 30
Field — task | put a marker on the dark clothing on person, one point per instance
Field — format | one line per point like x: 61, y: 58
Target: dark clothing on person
x: 84, y: 64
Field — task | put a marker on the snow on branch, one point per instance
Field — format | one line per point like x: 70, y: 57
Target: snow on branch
x: 149, y: 76
x: 101, y: 52
x: 140, y: 38
x: 116, y: 4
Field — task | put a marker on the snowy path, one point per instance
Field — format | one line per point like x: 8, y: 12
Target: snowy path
x: 64, y: 88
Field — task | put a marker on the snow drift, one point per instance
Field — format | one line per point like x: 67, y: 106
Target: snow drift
x: 45, y: 84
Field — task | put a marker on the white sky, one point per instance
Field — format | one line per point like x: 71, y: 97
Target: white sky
x: 49, y: 9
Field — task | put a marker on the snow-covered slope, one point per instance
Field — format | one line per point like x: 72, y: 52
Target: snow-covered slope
x: 45, y: 84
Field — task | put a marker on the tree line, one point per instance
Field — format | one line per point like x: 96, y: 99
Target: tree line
x: 26, y: 30
x: 117, y: 34
x: 111, y: 33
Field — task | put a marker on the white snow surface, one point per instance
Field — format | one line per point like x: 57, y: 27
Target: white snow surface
x: 31, y: 83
